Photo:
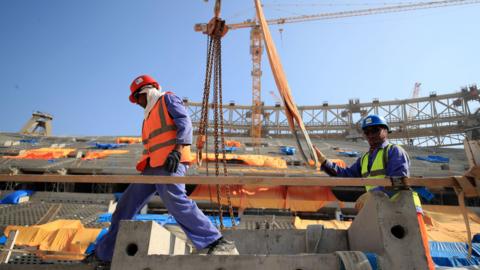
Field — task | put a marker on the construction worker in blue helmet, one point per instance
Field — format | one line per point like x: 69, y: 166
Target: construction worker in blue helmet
x: 382, y: 160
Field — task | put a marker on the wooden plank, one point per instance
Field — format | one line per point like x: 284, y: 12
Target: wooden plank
x: 472, y: 150
x: 5, y: 254
x: 227, y: 180
x: 50, y: 214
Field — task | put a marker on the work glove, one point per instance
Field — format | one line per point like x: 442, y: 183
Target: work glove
x: 321, y: 157
x: 172, y: 161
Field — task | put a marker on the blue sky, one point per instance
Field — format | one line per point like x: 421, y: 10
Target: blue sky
x: 76, y: 59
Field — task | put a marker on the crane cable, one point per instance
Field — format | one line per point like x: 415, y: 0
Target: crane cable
x: 291, y: 112
x: 215, y: 31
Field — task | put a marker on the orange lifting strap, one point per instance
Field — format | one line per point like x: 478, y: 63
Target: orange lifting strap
x: 294, y: 119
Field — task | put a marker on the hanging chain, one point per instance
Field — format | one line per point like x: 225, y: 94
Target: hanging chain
x: 216, y: 42
x: 216, y: 30
x: 222, y: 135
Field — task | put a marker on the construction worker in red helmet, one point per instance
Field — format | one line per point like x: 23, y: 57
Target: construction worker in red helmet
x: 166, y: 136
x: 382, y: 160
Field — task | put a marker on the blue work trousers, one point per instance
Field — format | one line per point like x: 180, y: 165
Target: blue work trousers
x: 194, y: 223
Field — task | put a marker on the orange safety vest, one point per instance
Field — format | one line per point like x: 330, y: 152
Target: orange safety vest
x: 159, y: 137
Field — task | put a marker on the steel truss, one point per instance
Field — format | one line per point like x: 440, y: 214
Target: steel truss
x: 436, y: 120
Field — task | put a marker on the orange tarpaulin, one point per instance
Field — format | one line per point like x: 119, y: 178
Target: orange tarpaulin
x: 278, y: 197
x: 443, y: 223
x: 233, y: 143
x: 103, y: 154
x: 128, y: 140
x: 251, y: 160
x: 43, y: 153
x: 65, y: 239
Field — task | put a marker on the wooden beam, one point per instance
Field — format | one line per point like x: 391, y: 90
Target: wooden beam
x: 227, y: 180
x: 5, y: 254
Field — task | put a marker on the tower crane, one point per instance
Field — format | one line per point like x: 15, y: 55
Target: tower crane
x: 256, y: 46
x: 415, y: 94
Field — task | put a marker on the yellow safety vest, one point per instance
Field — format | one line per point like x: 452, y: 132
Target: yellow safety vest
x: 379, y: 170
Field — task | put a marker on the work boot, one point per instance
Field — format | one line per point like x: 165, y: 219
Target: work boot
x: 222, y: 247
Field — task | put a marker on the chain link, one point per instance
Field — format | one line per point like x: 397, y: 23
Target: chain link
x: 214, y: 63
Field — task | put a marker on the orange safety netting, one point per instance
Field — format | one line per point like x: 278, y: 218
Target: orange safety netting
x: 57, y: 240
x: 43, y: 153
x: 443, y: 223
x: 279, y: 197
x: 103, y: 154
x: 128, y: 140
x: 233, y: 143
x: 251, y: 160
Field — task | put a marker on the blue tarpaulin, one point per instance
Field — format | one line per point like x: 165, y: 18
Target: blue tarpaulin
x: 288, y: 150
x: 3, y: 240
x: 91, y: 247
x: 372, y: 259
x: 31, y: 141
x: 230, y: 149
x: 14, y: 197
x: 434, y: 159
x: 109, y: 145
x: 453, y: 254
x: 166, y: 219
x: 349, y: 154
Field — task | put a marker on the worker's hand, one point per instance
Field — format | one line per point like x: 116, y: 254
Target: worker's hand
x: 321, y: 157
x: 172, y: 161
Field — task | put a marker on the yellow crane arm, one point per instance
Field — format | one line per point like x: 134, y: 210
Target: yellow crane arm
x: 201, y: 27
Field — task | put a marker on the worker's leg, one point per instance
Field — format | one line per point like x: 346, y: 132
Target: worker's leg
x: 130, y: 204
x: 423, y: 232
x: 196, y: 225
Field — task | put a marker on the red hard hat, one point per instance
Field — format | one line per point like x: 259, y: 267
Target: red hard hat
x: 139, y: 82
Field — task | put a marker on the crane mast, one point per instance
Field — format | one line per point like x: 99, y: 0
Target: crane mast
x: 256, y: 50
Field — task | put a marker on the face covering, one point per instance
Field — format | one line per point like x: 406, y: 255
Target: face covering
x: 153, y: 94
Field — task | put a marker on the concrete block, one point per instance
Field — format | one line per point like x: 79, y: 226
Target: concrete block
x: 321, y: 240
x: 391, y: 230
x: 138, y: 239
x: 282, y: 241
x: 225, y: 262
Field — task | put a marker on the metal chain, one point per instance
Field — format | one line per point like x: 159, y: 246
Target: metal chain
x: 214, y: 61
x: 215, y: 122
x: 222, y: 135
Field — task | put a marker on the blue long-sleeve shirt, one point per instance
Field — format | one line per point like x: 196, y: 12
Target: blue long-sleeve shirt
x: 398, y: 164
x: 179, y: 114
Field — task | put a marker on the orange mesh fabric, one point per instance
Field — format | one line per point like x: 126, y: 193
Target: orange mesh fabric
x: 278, y: 197
x: 103, y: 154
x: 128, y: 140
x: 251, y: 160
x: 233, y: 143
x: 44, y: 153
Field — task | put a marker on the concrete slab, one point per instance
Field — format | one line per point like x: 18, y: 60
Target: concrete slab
x: 241, y: 262
x: 389, y: 229
x: 141, y: 239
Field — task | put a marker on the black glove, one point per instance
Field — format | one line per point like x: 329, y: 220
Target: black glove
x: 172, y: 161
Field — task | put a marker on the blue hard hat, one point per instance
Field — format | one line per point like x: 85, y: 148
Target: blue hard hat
x: 374, y: 120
